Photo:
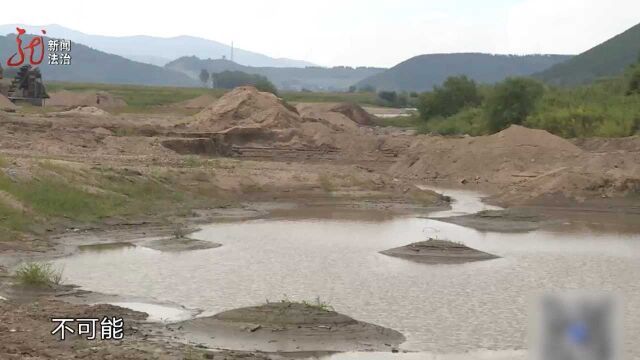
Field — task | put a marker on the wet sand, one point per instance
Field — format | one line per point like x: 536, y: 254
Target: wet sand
x: 287, y: 327
x: 438, y: 252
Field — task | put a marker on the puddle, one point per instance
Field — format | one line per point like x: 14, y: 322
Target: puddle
x: 158, y: 313
x: 441, y: 309
x: 464, y: 202
x: 106, y: 247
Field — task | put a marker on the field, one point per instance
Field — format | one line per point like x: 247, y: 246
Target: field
x: 153, y: 98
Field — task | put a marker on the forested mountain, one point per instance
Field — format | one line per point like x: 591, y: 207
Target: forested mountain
x: 421, y: 73
x: 605, y: 60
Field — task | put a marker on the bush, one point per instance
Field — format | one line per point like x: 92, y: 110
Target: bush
x: 456, y: 93
x: 634, y: 82
x: 266, y: 86
x: 36, y: 274
x: 511, y: 102
x: 470, y: 121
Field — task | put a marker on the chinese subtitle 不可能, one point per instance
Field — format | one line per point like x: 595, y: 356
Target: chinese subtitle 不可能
x: 109, y: 328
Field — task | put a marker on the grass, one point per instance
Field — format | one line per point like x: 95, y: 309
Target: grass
x: 316, y: 304
x: 140, y: 98
x: 55, y: 197
x: 38, y: 274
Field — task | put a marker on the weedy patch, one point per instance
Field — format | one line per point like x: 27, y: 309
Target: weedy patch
x: 39, y: 274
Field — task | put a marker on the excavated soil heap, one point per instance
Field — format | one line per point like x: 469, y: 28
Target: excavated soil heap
x: 85, y: 110
x: 6, y: 104
x: 199, y: 102
x: 353, y: 112
x: 87, y: 98
x: 525, y: 164
x: 248, y: 118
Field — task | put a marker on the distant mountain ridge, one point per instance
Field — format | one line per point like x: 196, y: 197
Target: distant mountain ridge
x: 608, y: 59
x: 423, y: 72
x: 94, y: 66
x: 337, y: 78
x: 158, y: 50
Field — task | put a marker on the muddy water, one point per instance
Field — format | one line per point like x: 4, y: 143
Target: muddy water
x: 443, y: 310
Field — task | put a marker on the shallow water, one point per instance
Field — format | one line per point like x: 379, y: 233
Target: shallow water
x: 477, y: 307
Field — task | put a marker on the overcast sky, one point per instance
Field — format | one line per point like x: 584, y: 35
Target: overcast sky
x: 350, y: 32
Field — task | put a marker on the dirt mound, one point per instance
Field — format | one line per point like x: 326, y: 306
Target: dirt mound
x: 435, y: 251
x: 522, y: 164
x: 246, y: 107
x: 87, y: 98
x: 631, y: 143
x: 351, y: 111
x: 199, y: 102
x: 6, y: 104
x: 248, y: 119
x: 85, y: 110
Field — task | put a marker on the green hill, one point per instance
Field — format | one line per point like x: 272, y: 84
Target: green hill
x: 93, y: 66
x: 421, y: 73
x: 605, y: 60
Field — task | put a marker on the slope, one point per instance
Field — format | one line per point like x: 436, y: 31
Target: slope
x: 421, y: 73
x: 607, y: 59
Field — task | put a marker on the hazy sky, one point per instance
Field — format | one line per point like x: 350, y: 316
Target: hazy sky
x: 351, y: 32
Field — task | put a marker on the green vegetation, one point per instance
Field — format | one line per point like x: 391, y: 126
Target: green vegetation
x: 423, y: 72
x: 59, y: 192
x: 634, y: 80
x: 153, y: 98
x: 266, y: 86
x: 139, y: 97
x: 316, y: 304
x: 232, y: 79
x: 457, y: 93
x: 37, y: 274
x: 511, y: 102
x: 607, y: 108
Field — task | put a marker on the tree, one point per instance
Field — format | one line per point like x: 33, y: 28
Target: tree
x: 634, y: 80
x: 389, y: 96
x: 204, y: 76
x: 352, y: 88
x: 511, y: 102
x: 456, y: 93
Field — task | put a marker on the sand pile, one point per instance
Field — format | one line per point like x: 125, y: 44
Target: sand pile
x: 516, y: 151
x: 248, y: 117
x: 85, y: 110
x: 524, y: 164
x: 329, y: 111
x: 199, y: 102
x: 246, y: 107
x: 6, y: 104
x: 86, y: 98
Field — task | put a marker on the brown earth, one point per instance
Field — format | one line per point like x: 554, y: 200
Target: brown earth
x: 438, y: 252
x: 250, y: 146
x: 523, y: 166
x: 26, y: 334
x: 199, y: 102
x: 288, y: 327
x: 6, y: 104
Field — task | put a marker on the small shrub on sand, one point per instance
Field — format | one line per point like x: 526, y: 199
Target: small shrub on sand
x: 37, y: 274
